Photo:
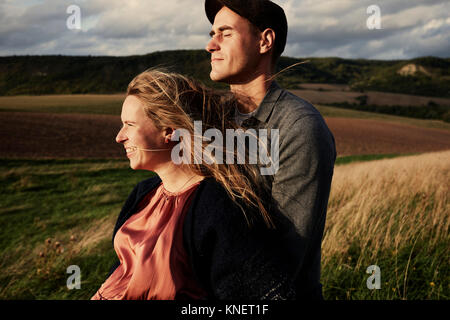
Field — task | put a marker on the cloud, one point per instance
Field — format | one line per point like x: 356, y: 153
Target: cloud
x: 313, y: 30
x: 316, y: 27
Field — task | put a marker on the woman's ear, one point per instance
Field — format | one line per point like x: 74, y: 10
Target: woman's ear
x: 267, y: 40
x: 167, y: 133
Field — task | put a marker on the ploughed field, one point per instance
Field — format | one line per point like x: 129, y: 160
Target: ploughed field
x: 367, y: 136
x: 85, y: 126
x: 52, y: 135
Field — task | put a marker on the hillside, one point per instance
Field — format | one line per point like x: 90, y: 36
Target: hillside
x: 19, y: 75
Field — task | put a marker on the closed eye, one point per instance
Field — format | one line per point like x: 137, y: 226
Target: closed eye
x: 128, y: 123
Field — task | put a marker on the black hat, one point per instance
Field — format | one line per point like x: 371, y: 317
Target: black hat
x: 261, y: 13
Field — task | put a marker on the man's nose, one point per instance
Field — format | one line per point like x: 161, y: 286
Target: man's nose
x: 212, y: 45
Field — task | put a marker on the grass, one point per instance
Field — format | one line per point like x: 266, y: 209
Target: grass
x: 365, y: 157
x: 392, y: 212
x: 58, y: 213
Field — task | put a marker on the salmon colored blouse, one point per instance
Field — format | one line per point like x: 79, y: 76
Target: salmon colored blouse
x: 149, y: 245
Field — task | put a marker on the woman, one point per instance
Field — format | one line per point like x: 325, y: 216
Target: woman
x: 198, y: 230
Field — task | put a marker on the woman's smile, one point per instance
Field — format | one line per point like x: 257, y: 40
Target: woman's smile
x: 130, y: 151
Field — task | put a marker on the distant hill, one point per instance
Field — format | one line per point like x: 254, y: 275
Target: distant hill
x: 19, y: 75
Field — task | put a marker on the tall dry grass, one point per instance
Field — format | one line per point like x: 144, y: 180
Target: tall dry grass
x: 393, y: 213
x: 387, y: 203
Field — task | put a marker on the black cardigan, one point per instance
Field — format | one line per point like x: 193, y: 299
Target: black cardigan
x: 231, y: 260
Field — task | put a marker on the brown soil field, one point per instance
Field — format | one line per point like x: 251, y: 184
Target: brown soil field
x: 47, y: 135
x: 44, y: 135
x: 340, y: 93
x: 367, y: 136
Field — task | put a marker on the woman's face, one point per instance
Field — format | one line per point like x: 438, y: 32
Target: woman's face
x: 139, y: 131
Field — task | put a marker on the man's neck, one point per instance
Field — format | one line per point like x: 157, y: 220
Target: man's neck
x: 251, y: 94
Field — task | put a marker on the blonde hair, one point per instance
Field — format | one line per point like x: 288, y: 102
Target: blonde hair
x: 172, y: 100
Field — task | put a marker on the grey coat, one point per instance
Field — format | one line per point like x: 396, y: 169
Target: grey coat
x: 301, y: 185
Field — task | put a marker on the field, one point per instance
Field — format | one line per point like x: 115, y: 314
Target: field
x: 85, y: 126
x: 64, y: 181
x: 334, y: 93
x: 394, y: 213
x: 61, y: 212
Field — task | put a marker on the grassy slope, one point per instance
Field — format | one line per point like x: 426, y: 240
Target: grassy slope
x: 58, y: 199
x: 394, y: 213
x: 106, y: 74
x: 62, y: 198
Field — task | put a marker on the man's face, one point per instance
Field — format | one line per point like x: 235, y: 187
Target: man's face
x: 234, y: 48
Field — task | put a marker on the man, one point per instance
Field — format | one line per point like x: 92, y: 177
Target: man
x: 247, y: 38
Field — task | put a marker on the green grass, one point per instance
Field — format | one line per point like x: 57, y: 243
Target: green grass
x: 57, y: 199
x: 417, y: 271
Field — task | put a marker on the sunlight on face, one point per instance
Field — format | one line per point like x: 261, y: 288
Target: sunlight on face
x: 139, y: 131
x: 234, y: 48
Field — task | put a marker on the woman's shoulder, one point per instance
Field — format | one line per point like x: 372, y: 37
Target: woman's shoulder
x: 214, y: 208
x: 211, y: 194
x: 212, y: 188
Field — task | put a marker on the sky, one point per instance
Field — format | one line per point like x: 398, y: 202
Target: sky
x: 374, y: 29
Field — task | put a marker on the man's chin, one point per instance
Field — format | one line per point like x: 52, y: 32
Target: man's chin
x: 217, y: 77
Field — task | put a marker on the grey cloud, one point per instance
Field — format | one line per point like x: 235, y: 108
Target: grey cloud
x: 316, y: 28
x: 311, y: 36
x: 37, y: 25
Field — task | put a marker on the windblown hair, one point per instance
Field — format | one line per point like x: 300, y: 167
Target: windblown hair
x: 172, y: 100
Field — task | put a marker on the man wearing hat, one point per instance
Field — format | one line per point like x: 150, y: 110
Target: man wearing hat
x: 247, y: 39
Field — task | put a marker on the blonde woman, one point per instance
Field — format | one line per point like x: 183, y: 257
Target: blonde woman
x: 198, y: 230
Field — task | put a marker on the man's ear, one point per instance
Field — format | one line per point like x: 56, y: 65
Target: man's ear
x: 267, y: 41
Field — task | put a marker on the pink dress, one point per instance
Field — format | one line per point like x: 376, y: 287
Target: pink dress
x: 149, y: 245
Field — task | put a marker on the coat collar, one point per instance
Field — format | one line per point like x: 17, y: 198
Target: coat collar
x: 267, y: 105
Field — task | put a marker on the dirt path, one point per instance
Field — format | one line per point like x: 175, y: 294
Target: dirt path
x: 44, y: 135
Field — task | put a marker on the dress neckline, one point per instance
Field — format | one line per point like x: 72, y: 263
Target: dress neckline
x: 178, y: 193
